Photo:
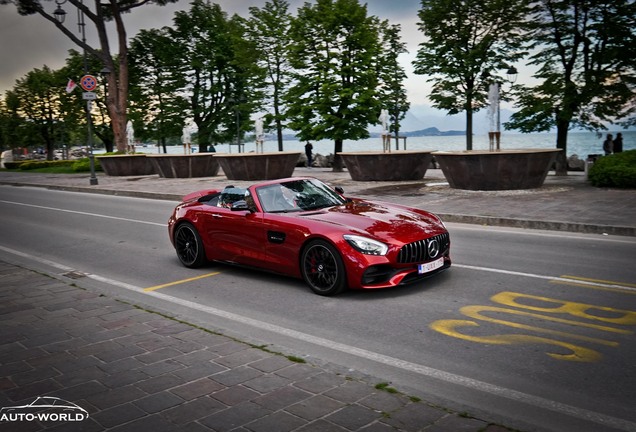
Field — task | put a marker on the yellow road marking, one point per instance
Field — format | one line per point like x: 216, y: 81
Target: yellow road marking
x: 179, y: 282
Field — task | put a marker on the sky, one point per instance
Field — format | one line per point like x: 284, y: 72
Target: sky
x: 32, y: 42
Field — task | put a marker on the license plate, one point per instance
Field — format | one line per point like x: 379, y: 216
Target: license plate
x: 429, y: 267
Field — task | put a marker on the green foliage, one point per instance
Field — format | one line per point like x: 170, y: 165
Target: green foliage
x: 385, y: 387
x: 616, y: 170
x: 268, y: 28
x: 340, y: 82
x: 75, y: 116
x: 109, y: 11
x: 585, y: 54
x: 335, y: 48
x: 158, y: 107
x: 84, y: 165
x: 39, y: 100
x: 219, y: 65
x: 392, y: 75
x: 465, y: 43
x: 32, y: 165
x: 58, y: 166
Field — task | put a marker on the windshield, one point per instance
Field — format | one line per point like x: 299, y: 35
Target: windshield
x: 297, y: 195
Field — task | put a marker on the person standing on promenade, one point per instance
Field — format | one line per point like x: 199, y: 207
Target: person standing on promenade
x: 618, y: 143
x: 608, y: 145
x: 308, y: 148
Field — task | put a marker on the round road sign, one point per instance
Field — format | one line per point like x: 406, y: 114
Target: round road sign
x: 88, y: 83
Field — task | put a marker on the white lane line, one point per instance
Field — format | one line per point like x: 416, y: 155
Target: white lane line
x: 549, y: 278
x: 84, y: 213
x: 514, y: 395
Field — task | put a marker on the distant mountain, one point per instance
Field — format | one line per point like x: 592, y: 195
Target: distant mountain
x: 432, y: 131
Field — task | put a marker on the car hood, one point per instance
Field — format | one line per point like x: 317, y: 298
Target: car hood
x: 382, y: 221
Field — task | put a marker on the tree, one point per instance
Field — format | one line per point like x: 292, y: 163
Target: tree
x: 114, y: 10
x: 335, y: 93
x: 268, y: 28
x: 39, y: 99
x: 157, y: 104
x: 75, y: 118
x: 467, y: 42
x: 586, y: 53
x: 10, y: 122
x: 220, y: 71
x: 392, y: 76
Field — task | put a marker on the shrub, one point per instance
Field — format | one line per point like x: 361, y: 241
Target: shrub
x: 617, y: 170
x: 13, y: 165
x: 31, y: 165
x: 84, y: 165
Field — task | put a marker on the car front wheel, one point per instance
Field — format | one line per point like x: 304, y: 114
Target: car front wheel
x: 189, y: 246
x: 322, y: 268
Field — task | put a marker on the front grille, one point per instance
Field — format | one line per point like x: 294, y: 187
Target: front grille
x: 418, y: 250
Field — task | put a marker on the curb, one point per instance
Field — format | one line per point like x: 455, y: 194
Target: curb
x: 539, y: 225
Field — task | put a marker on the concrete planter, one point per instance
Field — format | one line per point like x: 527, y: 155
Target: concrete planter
x: 496, y: 170
x: 126, y: 165
x: 258, y: 166
x: 381, y: 166
x: 185, y: 166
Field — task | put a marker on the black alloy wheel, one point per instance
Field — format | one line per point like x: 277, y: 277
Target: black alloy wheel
x: 322, y: 268
x: 189, y: 246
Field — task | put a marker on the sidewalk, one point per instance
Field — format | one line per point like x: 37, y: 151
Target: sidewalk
x: 134, y: 370
x: 566, y: 203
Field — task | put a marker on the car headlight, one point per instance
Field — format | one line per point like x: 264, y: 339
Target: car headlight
x: 366, y: 245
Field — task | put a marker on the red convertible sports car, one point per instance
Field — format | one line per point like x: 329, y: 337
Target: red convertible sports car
x: 303, y: 228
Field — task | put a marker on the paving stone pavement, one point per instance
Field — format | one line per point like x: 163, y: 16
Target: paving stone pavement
x: 132, y: 369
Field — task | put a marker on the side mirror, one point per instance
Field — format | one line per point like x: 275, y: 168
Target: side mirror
x: 240, y: 205
x: 339, y: 189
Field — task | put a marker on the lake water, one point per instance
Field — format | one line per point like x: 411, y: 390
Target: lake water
x: 579, y: 143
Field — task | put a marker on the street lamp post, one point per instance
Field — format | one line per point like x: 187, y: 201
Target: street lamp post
x: 60, y: 16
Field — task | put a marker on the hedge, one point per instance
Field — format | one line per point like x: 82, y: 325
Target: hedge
x: 30, y: 165
x: 617, y: 170
x: 75, y: 165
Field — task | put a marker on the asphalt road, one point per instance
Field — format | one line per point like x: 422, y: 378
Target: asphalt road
x: 532, y: 329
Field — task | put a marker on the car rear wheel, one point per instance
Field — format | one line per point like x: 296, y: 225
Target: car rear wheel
x: 189, y: 246
x: 322, y: 268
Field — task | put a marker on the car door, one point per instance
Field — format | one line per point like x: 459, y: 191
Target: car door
x: 236, y: 235
x: 284, y: 238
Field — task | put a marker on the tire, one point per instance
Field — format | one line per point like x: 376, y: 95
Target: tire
x: 189, y: 246
x: 322, y: 268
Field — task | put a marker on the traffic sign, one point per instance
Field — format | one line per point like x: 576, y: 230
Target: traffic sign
x: 89, y: 96
x: 88, y: 83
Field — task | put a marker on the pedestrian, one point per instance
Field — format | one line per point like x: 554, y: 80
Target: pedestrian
x: 618, y: 143
x: 308, y: 148
x: 608, y: 145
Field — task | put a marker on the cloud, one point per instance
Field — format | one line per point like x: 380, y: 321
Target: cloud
x: 31, y: 42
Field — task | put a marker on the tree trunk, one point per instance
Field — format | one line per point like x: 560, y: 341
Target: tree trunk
x: 279, y: 133
x: 338, y: 166
x: 561, y: 164
x: 469, y: 129
x: 279, y: 128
